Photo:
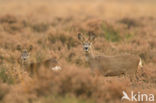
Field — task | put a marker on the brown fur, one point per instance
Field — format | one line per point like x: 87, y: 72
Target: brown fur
x: 33, y: 68
x: 115, y: 65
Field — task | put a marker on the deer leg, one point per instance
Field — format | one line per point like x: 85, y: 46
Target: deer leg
x: 139, y: 73
x: 131, y: 76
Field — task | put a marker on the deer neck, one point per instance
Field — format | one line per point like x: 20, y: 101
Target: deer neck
x: 89, y: 54
x: 25, y: 63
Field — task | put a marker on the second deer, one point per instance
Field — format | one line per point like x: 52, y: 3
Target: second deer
x: 33, y: 68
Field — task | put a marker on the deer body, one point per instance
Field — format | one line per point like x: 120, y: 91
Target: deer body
x: 114, y: 65
x: 109, y: 65
x: 32, y: 67
x: 49, y: 64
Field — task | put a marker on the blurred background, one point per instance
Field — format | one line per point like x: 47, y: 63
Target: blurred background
x: 51, y: 27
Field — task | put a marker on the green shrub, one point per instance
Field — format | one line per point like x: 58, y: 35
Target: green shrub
x: 110, y: 34
x: 128, y: 36
x: 4, y: 76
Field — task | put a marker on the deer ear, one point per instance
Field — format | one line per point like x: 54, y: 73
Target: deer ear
x: 92, y: 36
x: 80, y: 36
x: 18, y: 47
x: 30, y: 48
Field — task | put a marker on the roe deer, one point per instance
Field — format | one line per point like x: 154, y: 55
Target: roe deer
x: 33, y: 68
x: 109, y: 65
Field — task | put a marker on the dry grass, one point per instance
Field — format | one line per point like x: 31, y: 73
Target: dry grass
x: 52, y: 27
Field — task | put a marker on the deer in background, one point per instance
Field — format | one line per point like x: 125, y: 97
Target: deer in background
x: 33, y: 68
x: 109, y: 65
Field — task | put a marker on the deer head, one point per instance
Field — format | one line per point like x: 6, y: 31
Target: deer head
x: 86, y: 42
x: 25, y: 53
